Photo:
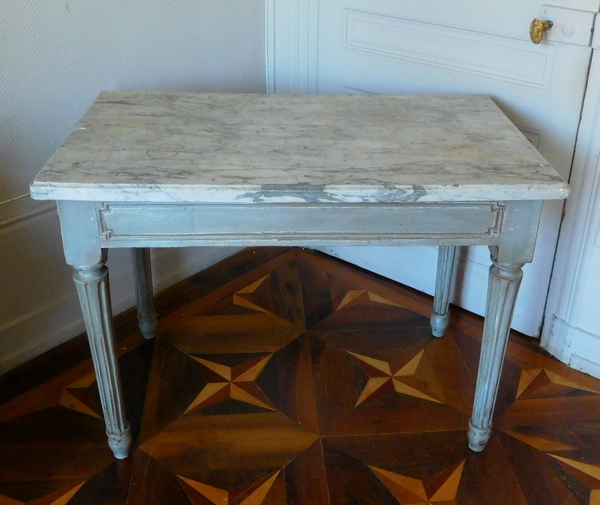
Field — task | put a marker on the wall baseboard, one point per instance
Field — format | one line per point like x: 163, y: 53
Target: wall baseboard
x: 52, y: 324
x: 573, y: 346
x: 21, y: 211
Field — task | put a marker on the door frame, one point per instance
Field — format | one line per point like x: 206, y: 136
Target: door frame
x: 563, y: 334
x: 292, y: 37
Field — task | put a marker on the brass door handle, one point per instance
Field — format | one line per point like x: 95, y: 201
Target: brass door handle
x: 537, y: 29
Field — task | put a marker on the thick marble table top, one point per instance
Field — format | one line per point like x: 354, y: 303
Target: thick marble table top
x: 226, y: 148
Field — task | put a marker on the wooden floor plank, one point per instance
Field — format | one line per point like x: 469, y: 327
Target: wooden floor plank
x: 283, y: 376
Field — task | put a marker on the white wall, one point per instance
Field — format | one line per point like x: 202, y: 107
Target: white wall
x: 55, y: 57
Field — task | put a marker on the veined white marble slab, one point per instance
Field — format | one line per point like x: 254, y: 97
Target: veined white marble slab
x: 226, y: 148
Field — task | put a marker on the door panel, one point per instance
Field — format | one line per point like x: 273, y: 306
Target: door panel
x: 447, y: 47
x: 471, y: 47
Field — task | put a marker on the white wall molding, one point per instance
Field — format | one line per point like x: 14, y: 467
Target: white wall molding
x: 18, y: 212
x: 574, y: 274
x: 292, y: 40
x: 270, y: 46
x: 40, y: 308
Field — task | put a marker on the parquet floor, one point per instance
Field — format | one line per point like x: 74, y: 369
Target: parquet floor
x: 285, y: 377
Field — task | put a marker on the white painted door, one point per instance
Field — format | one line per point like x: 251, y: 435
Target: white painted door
x: 428, y: 46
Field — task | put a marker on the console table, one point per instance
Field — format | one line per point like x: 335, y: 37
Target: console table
x: 148, y: 170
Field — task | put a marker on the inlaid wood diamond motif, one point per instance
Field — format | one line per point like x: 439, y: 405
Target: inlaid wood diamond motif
x: 305, y: 381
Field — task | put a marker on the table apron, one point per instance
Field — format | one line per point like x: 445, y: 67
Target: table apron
x: 177, y: 225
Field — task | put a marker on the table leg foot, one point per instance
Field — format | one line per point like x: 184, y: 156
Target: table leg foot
x: 478, y: 437
x: 142, y: 272
x: 439, y: 323
x: 120, y: 443
x: 440, y: 314
x: 147, y: 327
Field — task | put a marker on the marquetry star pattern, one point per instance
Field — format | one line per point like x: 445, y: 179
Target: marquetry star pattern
x: 306, y: 381
x: 411, y: 491
x: 252, y: 493
x: 59, y: 497
x: 382, y: 380
x: 537, y: 388
x: 82, y: 396
x: 354, y: 294
x: 235, y: 382
x: 542, y: 381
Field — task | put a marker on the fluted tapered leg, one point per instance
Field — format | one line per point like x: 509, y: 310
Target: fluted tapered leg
x: 440, y: 314
x: 94, y: 296
x: 504, y: 282
x: 142, y: 273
